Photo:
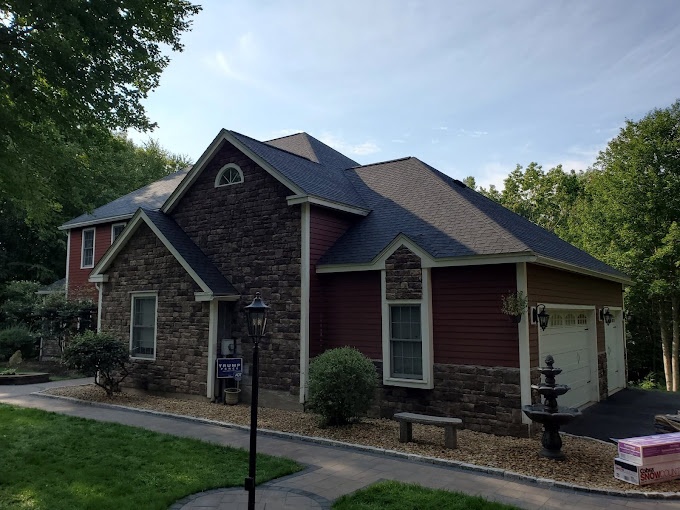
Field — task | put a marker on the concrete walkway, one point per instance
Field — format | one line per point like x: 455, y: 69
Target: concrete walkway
x: 332, y: 471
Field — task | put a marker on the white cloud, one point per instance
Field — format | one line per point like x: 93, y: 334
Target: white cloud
x: 360, y: 149
x: 493, y: 173
x: 473, y: 134
x: 398, y: 140
x: 442, y: 128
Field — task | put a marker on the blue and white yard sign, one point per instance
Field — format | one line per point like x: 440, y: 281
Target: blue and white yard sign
x: 229, y: 367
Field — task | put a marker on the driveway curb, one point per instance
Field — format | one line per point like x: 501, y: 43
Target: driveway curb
x: 497, y: 472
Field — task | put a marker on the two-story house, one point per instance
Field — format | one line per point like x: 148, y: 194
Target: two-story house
x: 394, y: 258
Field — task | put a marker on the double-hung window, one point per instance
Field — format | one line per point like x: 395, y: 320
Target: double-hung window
x: 406, y: 342
x: 87, y: 254
x: 143, y: 326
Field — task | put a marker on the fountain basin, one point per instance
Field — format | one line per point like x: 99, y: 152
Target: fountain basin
x: 539, y: 413
x: 550, y: 391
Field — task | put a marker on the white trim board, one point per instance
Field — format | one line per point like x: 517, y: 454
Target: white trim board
x: 97, y: 274
x: 124, y: 223
x: 68, y: 260
x: 523, y: 337
x: 95, y: 221
x: 304, y: 299
x: 212, y: 348
x: 331, y: 204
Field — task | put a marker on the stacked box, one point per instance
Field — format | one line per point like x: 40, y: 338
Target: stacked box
x: 645, y: 450
x: 645, y: 475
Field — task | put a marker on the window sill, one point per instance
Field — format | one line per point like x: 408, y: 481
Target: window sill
x: 136, y: 358
x: 407, y: 383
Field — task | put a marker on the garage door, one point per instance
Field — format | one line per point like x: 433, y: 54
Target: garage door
x: 567, y: 339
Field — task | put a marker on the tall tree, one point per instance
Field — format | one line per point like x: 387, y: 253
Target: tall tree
x: 630, y: 217
x: 70, y: 71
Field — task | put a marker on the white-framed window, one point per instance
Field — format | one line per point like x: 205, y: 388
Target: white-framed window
x: 228, y: 175
x: 143, y: 323
x: 570, y: 319
x: 87, y: 250
x: 556, y: 320
x: 582, y: 319
x: 116, y: 229
x: 406, y: 342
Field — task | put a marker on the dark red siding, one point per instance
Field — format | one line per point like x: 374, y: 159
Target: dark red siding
x: 78, y: 284
x: 547, y: 285
x: 351, y: 314
x: 468, y: 325
x: 326, y: 226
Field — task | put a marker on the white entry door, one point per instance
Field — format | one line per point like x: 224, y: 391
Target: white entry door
x: 613, y: 338
x: 568, y: 339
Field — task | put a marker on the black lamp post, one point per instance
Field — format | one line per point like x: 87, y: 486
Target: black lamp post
x: 256, y: 315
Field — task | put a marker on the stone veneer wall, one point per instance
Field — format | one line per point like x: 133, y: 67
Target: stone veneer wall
x: 181, y: 363
x: 403, y: 275
x: 253, y: 236
x: 602, y: 375
x: 487, y: 399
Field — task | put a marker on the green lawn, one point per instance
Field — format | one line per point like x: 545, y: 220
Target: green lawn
x: 56, y: 462
x: 404, y: 496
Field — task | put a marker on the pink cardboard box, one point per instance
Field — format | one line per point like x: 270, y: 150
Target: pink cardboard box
x: 641, y: 451
x: 644, y: 475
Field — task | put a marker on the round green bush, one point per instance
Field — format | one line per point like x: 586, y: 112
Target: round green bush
x: 18, y: 338
x: 342, y: 385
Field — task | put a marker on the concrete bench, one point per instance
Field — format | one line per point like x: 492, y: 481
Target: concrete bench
x: 450, y: 425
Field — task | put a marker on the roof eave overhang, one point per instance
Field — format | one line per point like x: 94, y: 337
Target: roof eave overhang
x: 330, y: 204
x: 558, y: 264
x: 96, y: 221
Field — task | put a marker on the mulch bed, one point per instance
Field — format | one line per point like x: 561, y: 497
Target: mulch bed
x: 589, y: 463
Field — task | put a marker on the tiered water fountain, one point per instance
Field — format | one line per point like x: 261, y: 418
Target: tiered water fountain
x: 549, y: 413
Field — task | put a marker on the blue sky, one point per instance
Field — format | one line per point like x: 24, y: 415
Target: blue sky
x: 471, y: 88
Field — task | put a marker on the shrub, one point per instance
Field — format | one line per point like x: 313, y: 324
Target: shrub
x: 342, y: 384
x: 101, y: 356
x: 17, y: 338
x: 17, y: 300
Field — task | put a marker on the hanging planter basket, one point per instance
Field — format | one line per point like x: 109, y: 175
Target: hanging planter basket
x: 516, y: 318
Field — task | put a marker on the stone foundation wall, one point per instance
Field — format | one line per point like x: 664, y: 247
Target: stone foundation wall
x: 181, y: 363
x: 403, y: 275
x: 487, y: 399
x: 602, y: 375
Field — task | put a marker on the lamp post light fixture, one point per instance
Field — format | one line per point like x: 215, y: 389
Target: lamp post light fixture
x: 541, y: 316
x: 256, y: 316
x: 606, y: 315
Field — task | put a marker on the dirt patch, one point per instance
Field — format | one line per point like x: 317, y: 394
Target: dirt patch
x: 589, y: 463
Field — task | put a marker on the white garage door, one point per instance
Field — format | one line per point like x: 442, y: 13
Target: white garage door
x: 567, y: 339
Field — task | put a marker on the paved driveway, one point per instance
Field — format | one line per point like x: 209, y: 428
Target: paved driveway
x: 628, y: 413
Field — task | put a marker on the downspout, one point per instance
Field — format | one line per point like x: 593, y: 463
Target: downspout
x: 304, y: 299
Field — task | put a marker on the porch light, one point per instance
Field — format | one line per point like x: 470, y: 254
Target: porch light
x: 541, y: 316
x: 606, y: 315
x: 256, y: 316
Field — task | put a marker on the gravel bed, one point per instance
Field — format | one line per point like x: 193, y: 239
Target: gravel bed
x: 589, y: 463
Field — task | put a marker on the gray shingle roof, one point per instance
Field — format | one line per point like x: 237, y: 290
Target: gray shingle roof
x: 327, y: 180
x: 149, y: 197
x: 192, y: 254
x: 444, y: 217
x: 58, y: 287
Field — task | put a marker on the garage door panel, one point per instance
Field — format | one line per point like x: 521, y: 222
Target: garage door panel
x: 569, y: 343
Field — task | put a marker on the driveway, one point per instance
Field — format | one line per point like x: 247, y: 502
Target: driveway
x: 628, y: 413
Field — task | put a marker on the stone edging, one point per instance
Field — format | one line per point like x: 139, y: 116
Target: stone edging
x: 497, y: 472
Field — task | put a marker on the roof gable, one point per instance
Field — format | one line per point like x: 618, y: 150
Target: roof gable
x: 192, y: 259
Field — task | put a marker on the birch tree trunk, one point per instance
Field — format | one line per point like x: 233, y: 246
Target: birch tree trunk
x: 676, y: 341
x: 665, y: 345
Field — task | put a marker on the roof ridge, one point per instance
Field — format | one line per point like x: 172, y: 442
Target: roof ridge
x: 275, y: 147
x: 382, y: 162
x: 285, y: 136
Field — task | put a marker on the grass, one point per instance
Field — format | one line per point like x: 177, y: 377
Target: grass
x: 56, y: 462
x: 57, y: 371
x: 404, y: 496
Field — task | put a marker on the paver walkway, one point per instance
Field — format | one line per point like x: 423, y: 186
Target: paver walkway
x: 332, y: 471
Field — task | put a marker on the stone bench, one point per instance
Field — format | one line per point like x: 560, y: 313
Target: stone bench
x: 450, y: 425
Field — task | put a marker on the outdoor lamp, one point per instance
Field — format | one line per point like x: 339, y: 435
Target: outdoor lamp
x: 256, y: 317
x: 256, y: 312
x: 606, y: 315
x: 541, y: 316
